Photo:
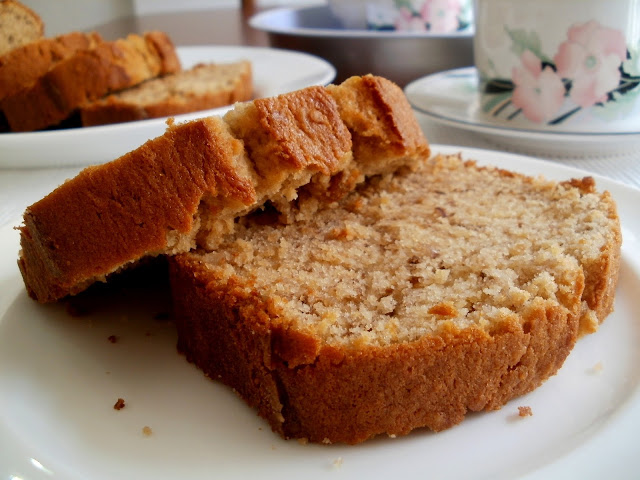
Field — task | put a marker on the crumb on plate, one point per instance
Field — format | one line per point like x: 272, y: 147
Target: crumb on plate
x: 525, y: 411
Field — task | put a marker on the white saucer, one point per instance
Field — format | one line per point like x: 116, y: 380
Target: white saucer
x: 274, y: 72
x: 451, y: 98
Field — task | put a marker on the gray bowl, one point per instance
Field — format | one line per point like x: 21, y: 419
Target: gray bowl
x: 398, y: 56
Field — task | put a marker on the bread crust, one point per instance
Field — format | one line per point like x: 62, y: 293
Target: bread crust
x: 353, y: 385
x: 148, y: 203
x: 88, y: 75
x: 329, y: 394
x: 114, y: 214
x: 174, y: 95
x: 24, y: 65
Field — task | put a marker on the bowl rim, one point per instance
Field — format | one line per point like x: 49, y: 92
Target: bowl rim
x: 264, y: 21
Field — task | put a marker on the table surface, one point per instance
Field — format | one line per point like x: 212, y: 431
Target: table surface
x: 228, y: 26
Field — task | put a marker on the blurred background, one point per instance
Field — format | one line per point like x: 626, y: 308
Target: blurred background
x: 89, y: 13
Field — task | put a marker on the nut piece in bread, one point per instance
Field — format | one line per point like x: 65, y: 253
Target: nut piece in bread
x: 187, y: 188
x: 88, y: 75
x: 19, y: 25
x: 422, y: 296
x: 202, y: 87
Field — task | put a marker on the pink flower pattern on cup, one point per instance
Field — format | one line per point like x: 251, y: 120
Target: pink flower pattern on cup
x: 408, y: 22
x: 441, y: 15
x: 538, y: 92
x: 586, y: 71
x: 591, y: 59
x: 436, y: 16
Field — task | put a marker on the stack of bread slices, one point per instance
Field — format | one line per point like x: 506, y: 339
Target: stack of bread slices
x: 80, y: 79
x: 324, y: 264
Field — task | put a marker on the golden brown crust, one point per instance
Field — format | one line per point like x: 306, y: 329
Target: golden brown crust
x: 116, y: 213
x: 111, y: 215
x: 377, y: 112
x: 295, y: 351
x: 327, y: 393
x: 24, y: 65
x: 88, y: 75
x: 200, y: 88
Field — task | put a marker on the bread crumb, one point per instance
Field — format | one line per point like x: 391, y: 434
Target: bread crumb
x: 525, y: 411
x: 303, y: 441
x: 119, y: 405
x: 596, y: 369
x: 146, y: 431
x: 392, y: 435
x: 337, y: 463
x: 112, y: 338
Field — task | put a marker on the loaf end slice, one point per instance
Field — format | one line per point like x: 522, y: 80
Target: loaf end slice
x: 143, y: 204
x: 21, y: 67
x: 202, y: 87
x: 88, y: 75
x: 422, y: 296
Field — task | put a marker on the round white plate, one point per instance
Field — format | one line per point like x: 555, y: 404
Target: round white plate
x: 274, y: 71
x: 451, y: 98
x: 60, y: 377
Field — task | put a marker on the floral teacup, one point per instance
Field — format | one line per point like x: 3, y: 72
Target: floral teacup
x: 570, y: 64
x: 436, y: 16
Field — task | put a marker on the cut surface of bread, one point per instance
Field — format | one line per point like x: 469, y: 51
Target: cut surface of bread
x: 417, y: 298
x: 202, y: 87
x: 88, y: 75
x: 19, y: 25
x: 188, y: 186
x: 21, y: 67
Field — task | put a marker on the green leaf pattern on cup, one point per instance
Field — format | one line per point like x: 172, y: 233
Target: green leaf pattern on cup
x: 593, y: 69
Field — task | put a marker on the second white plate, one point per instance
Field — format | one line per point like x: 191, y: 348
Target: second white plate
x: 274, y: 71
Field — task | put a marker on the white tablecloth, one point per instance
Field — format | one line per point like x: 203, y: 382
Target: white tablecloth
x: 20, y: 188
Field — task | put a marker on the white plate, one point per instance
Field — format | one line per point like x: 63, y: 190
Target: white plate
x: 400, y: 56
x: 274, y: 72
x: 451, y: 98
x: 60, y: 377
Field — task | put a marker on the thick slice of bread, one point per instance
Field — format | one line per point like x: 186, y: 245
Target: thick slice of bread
x: 417, y: 298
x: 201, y: 87
x: 21, y: 67
x: 19, y: 25
x: 189, y: 185
x: 88, y: 75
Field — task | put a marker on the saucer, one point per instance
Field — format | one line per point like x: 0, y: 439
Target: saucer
x: 451, y: 98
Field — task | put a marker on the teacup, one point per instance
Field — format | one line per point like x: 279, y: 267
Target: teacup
x: 549, y: 64
x: 436, y: 16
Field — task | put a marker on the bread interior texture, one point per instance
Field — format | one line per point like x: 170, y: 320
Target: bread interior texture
x: 449, y: 246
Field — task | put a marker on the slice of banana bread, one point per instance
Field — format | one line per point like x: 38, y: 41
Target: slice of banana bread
x: 88, y: 75
x: 188, y: 186
x: 19, y: 25
x: 417, y: 298
x: 21, y: 67
x: 202, y: 87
